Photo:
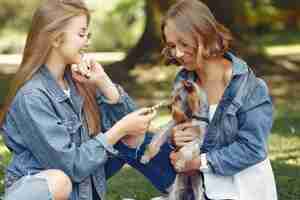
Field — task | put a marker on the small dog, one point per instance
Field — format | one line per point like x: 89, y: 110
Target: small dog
x: 189, y: 104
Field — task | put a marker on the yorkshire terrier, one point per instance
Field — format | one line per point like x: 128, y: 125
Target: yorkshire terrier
x: 189, y: 104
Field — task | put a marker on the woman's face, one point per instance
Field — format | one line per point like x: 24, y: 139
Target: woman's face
x: 181, y: 47
x: 75, y: 40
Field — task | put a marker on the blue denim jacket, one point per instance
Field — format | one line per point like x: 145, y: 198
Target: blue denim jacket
x: 46, y: 129
x: 238, y: 133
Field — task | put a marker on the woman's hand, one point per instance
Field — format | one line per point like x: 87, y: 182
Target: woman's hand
x: 185, y: 133
x: 137, y: 122
x: 89, y: 71
x: 191, y: 167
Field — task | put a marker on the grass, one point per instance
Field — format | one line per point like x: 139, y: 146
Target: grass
x: 284, y: 148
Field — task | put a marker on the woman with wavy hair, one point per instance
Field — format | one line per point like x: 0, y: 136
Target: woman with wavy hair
x: 64, y: 117
x: 234, y: 159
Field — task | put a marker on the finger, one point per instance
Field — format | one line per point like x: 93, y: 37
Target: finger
x: 180, y: 144
x: 142, y: 111
x: 83, y: 66
x: 93, y: 62
x: 74, y: 68
x: 80, y: 68
x: 186, y: 139
x: 186, y: 134
x: 78, y: 77
x: 150, y: 115
x: 173, y: 158
x: 86, y: 68
x: 184, y: 125
x: 172, y: 155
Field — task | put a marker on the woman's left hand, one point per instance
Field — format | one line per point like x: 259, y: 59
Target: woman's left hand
x: 184, y: 133
x: 191, y: 167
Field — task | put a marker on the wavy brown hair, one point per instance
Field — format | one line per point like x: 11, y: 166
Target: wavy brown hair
x: 48, y: 23
x: 194, y: 18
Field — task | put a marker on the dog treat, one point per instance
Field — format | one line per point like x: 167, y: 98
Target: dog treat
x: 159, y: 105
x: 83, y: 65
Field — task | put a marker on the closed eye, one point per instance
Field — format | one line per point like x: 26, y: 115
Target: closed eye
x: 87, y: 35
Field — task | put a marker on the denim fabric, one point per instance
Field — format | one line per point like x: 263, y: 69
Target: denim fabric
x: 45, y: 129
x: 237, y: 135
x: 29, y: 187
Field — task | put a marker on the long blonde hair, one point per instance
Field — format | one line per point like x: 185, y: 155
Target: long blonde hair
x: 48, y: 22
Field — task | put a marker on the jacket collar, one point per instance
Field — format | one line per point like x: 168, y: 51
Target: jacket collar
x: 53, y: 87
x: 51, y: 84
x: 239, y: 66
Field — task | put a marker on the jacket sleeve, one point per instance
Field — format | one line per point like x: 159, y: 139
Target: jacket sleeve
x: 123, y: 106
x: 250, y: 144
x: 50, y: 142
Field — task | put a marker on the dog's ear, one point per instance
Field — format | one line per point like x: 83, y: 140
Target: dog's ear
x: 193, y: 98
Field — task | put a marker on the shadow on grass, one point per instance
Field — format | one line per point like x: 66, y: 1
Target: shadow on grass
x: 129, y: 183
x: 287, y: 180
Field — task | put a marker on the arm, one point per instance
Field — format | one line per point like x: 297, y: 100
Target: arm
x: 50, y: 142
x: 250, y: 145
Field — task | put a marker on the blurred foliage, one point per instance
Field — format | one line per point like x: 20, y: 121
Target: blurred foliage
x: 15, y: 17
x: 16, y: 14
x: 119, y: 27
x: 118, y: 24
x: 271, y: 15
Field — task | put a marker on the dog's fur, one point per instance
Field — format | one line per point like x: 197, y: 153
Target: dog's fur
x: 189, y: 104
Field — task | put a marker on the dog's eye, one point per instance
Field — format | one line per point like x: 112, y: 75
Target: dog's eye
x: 178, y: 98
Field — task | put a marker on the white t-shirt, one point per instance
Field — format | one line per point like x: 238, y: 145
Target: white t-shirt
x: 254, y: 183
x: 67, y: 92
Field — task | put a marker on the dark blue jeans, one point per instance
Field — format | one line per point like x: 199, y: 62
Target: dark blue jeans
x: 158, y: 171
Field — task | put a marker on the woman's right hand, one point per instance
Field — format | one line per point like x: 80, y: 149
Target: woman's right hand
x: 137, y: 122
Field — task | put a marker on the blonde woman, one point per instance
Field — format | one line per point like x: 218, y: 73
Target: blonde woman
x: 61, y: 122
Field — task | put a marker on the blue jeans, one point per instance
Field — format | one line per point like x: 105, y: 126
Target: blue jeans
x: 158, y: 171
x: 29, y: 187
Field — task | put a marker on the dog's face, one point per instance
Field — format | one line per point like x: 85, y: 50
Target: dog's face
x: 187, y: 100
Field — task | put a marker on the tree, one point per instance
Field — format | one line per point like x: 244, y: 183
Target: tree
x: 148, y: 46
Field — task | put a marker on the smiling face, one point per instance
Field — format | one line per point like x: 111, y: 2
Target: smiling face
x: 75, y: 39
x: 182, y: 47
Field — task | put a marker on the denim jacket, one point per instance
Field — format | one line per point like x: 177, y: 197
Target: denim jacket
x: 237, y: 135
x: 46, y: 129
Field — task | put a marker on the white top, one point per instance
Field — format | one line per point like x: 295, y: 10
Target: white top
x: 256, y: 182
x: 212, y: 110
x: 67, y: 92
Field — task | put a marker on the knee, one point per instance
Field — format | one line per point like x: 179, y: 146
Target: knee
x: 59, y: 183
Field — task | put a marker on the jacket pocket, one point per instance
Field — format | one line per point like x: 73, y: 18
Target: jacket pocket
x: 73, y: 125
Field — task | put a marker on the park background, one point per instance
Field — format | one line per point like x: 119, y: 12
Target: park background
x: 126, y: 40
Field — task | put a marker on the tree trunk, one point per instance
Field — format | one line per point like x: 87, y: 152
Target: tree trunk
x: 147, y: 49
